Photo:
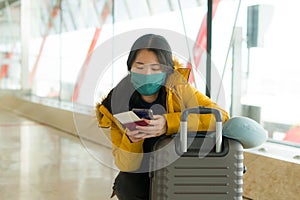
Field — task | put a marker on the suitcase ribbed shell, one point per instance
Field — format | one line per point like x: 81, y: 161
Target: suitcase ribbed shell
x: 190, y: 177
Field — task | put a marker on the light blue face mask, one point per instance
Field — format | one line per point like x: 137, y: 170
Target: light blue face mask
x: 147, y: 84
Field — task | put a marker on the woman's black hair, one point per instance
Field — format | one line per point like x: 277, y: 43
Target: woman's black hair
x: 155, y: 43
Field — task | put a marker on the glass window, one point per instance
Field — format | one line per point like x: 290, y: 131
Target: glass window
x: 259, y: 39
x: 271, y: 65
x: 10, y: 49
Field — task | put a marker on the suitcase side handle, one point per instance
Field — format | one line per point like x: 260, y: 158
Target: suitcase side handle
x: 200, y: 110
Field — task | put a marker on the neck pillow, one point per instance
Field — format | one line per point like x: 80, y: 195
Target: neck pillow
x: 245, y: 130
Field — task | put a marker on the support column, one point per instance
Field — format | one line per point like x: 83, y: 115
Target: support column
x: 25, y: 43
x: 236, y: 85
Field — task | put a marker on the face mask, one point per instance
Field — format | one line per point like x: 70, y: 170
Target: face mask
x: 147, y: 84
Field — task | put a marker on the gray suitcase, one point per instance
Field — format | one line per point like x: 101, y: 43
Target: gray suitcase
x: 200, y: 166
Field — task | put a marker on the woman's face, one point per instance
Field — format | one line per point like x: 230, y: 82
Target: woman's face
x: 147, y: 75
x: 146, y: 62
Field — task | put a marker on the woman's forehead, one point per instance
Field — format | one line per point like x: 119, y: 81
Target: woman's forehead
x: 146, y: 56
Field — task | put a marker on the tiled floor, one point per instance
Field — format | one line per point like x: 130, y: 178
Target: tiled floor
x: 38, y: 162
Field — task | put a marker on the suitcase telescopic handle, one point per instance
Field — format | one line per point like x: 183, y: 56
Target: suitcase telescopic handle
x: 200, y: 110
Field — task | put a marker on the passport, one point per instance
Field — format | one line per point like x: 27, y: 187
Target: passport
x: 130, y: 120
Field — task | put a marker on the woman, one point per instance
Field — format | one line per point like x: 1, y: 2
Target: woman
x: 158, y: 82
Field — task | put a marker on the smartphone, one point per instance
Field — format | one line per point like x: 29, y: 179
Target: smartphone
x: 143, y: 113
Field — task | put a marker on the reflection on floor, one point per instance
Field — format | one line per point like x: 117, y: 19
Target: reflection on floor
x: 38, y: 162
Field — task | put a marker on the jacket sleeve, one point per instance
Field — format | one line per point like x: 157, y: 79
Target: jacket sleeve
x: 127, y: 155
x: 186, y: 96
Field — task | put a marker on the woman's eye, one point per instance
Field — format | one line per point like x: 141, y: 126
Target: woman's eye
x: 140, y: 67
x: 155, y: 67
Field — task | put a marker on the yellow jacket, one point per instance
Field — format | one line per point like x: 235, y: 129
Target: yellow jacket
x: 180, y: 95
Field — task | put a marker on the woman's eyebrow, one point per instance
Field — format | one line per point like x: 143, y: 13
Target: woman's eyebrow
x: 150, y: 64
x: 141, y: 63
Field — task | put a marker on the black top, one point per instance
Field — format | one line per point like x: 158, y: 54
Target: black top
x: 159, y: 108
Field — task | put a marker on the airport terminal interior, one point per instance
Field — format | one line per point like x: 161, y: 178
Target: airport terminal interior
x: 59, y: 58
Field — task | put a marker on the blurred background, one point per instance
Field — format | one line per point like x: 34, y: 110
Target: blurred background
x: 46, y: 47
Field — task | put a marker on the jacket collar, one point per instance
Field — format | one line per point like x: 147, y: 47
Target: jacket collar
x: 178, y: 77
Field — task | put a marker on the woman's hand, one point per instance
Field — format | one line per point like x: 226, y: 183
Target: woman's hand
x: 156, y: 127
x: 134, y: 136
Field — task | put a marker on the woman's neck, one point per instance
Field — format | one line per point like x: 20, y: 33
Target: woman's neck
x: 150, y: 99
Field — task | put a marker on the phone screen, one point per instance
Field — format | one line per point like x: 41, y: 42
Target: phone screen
x: 143, y: 113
